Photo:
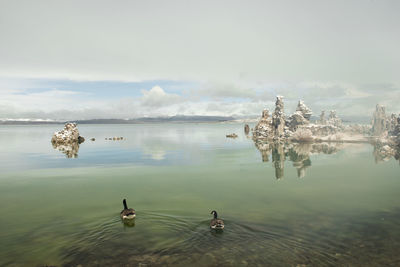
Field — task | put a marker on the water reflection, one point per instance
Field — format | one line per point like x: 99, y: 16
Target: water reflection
x: 298, y: 153
x: 69, y: 149
x: 385, y: 153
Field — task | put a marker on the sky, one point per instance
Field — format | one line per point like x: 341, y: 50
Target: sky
x: 69, y: 60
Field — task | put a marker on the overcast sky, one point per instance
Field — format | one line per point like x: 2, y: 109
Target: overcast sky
x: 124, y: 59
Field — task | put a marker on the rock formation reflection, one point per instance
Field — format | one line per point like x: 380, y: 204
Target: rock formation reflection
x: 298, y: 153
x: 383, y: 152
x: 69, y: 149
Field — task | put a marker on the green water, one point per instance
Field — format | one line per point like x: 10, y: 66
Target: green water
x: 55, y: 210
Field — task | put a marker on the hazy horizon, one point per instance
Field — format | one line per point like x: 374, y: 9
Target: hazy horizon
x: 73, y: 60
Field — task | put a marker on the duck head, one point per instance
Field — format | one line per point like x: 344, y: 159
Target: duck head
x: 215, y: 214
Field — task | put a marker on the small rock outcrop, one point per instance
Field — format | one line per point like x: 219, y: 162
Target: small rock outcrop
x: 69, y: 134
x: 232, y: 135
x: 114, y: 138
x: 246, y: 129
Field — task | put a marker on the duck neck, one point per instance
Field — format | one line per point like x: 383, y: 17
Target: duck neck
x: 215, y: 215
x: 125, y: 206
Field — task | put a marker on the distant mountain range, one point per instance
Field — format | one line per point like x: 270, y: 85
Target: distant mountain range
x: 175, y: 119
x: 172, y: 119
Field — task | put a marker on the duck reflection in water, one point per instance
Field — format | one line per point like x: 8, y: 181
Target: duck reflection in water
x: 298, y: 153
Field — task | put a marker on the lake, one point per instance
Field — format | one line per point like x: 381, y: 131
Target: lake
x: 300, y: 205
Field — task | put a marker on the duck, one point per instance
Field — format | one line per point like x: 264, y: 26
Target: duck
x: 216, y: 223
x: 127, y: 214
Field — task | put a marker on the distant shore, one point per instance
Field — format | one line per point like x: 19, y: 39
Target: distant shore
x: 175, y: 119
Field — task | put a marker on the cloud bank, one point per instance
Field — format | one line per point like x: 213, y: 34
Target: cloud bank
x: 102, y: 59
x: 71, y: 103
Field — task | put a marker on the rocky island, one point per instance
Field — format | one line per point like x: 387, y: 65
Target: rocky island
x: 67, y: 140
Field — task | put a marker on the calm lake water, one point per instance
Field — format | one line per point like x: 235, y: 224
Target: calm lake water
x: 320, y: 205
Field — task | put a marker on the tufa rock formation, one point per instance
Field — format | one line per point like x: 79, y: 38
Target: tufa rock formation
x: 263, y: 128
x: 297, y: 127
x: 393, y: 125
x: 379, y: 121
x: 278, y: 118
x: 304, y: 110
x: 246, y: 129
x: 67, y: 140
x: 69, y: 134
x: 300, y: 117
x: 396, y: 131
x: 322, y: 119
x: 334, y: 120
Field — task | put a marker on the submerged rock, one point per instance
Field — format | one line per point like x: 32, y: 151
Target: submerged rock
x: 232, y: 135
x: 114, y: 138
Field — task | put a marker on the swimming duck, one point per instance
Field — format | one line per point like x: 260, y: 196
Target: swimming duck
x: 216, y: 223
x: 126, y: 213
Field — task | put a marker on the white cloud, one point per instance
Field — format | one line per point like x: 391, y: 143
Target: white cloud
x: 157, y: 97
